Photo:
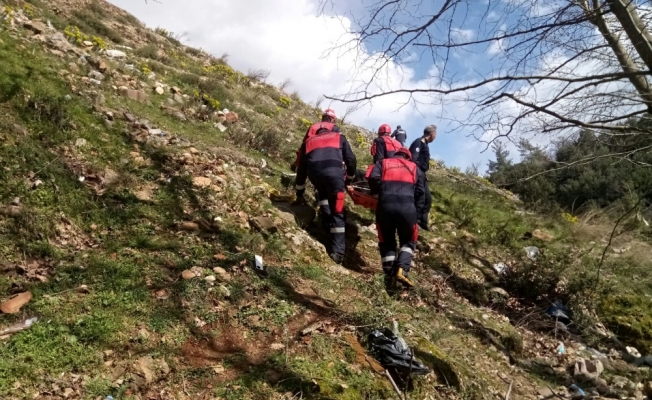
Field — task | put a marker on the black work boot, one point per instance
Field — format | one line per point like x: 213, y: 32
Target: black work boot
x: 337, y: 258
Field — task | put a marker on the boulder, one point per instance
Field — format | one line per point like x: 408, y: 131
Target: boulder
x: 132, y: 94
x: 231, y: 118
x: 37, y: 27
x: 98, y: 64
x: 589, y: 369
x: 264, y: 224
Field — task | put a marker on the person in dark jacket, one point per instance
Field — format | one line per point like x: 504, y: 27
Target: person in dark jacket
x: 421, y: 157
x: 321, y: 158
x: 384, y: 146
x: 400, y: 135
x: 328, y: 118
x: 401, y: 188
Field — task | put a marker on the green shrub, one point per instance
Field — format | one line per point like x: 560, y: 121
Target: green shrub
x: 90, y: 24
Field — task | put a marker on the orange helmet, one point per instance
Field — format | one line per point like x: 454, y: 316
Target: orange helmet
x: 384, y: 128
x: 329, y: 113
x: 405, y: 151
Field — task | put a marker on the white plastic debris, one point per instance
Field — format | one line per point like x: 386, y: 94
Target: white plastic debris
x: 259, y: 263
x: 263, y: 164
x: 500, y: 268
x: 532, y: 252
x: 561, y: 349
x: 20, y: 326
x: 221, y: 127
x: 116, y: 54
x: 633, y: 351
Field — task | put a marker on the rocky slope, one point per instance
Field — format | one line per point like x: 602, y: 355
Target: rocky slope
x: 140, y: 179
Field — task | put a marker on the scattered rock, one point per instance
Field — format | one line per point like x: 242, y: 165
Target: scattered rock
x: 116, y: 54
x: 277, y: 346
x: 590, y: 369
x: 545, y: 393
x: 222, y: 274
x: 80, y: 142
x: 499, y: 291
x: 175, y: 90
x: 87, y: 43
x: 264, y: 224
x: 201, y: 181
x: 14, y: 304
x: 130, y: 118
x: 542, y: 235
x: 601, y: 386
x: 159, y: 90
x: 189, y: 226
x: 98, y: 64
x: 178, y: 98
x: 132, y: 94
x: 15, y: 201
x: 96, y: 75
x: 37, y: 27
x: 632, y: 351
x: 162, y: 294
x: 20, y: 130
x: 210, y: 278
x: 225, y: 291
x: 231, y: 117
x: 59, y: 42
x: 221, y: 127
x: 188, y: 274
x: 144, y: 195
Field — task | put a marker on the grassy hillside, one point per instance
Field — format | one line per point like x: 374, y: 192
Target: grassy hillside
x: 135, y: 225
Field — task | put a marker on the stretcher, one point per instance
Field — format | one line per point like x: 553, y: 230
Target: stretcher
x: 361, y: 195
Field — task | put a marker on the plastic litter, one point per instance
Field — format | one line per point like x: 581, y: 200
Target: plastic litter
x: 20, y: 326
x: 560, y: 312
x: 392, y: 352
x: 259, y: 263
x: 109, y: 398
x: 561, y: 349
x: 532, y: 252
x: 500, y: 268
x: 577, y: 389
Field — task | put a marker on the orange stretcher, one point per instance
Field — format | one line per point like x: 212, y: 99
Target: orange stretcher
x: 361, y: 196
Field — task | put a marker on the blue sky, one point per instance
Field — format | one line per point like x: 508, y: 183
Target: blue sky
x: 289, y: 38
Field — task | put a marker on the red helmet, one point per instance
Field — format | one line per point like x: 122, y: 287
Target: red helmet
x: 329, y: 113
x: 405, y: 151
x: 384, y: 128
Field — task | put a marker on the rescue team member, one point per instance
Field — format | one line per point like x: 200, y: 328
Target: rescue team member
x: 401, y: 188
x: 327, y: 121
x: 384, y: 146
x: 421, y: 157
x: 400, y: 135
x: 321, y: 158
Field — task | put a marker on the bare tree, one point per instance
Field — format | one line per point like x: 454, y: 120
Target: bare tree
x: 258, y: 74
x: 551, y: 66
x: 285, y: 84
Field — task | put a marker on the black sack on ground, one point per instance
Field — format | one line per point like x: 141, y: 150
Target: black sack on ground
x: 391, y: 353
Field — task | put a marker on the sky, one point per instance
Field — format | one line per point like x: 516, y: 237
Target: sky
x: 291, y: 39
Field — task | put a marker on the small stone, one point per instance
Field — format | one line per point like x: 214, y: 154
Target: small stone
x: 87, y: 43
x: 130, y: 118
x: 264, y: 224
x: 189, y: 226
x: 175, y: 90
x: 159, y: 90
x: 15, y: 201
x: 222, y: 274
x: 188, y: 274
x: 155, y: 132
x: 201, y: 181
x: 221, y: 127
x: 225, y: 291
x: 178, y: 98
x: 210, y: 278
x: 132, y: 94
x: 96, y: 75
x: 80, y: 142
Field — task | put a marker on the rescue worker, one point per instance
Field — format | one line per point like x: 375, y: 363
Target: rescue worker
x: 327, y: 121
x: 384, y: 146
x: 320, y: 159
x: 401, y: 188
x: 421, y: 157
x: 400, y: 135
